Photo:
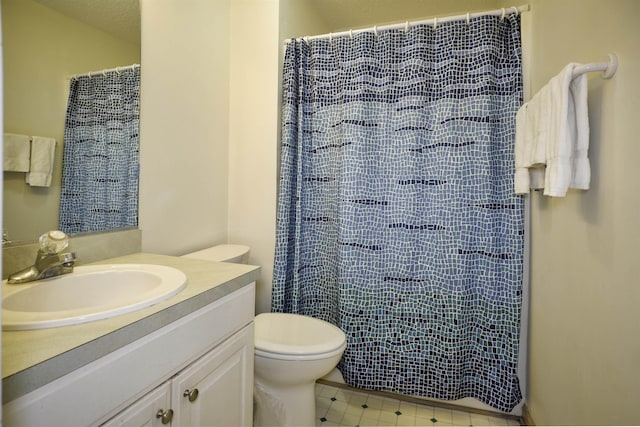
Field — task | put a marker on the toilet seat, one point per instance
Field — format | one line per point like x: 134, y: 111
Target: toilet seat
x: 293, y: 337
x: 300, y: 356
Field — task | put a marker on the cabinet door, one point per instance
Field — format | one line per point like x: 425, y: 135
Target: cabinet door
x: 144, y: 412
x: 217, y: 389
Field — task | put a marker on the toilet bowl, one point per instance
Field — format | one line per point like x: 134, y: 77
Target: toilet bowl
x: 291, y: 352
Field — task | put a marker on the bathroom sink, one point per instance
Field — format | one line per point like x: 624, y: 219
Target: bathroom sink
x: 89, y: 293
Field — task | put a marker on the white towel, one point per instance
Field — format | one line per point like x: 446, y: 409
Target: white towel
x: 42, y: 157
x: 581, y: 177
x: 16, y: 152
x: 552, y: 137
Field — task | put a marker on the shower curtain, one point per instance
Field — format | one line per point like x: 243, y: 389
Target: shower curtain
x: 101, y: 152
x: 396, y: 215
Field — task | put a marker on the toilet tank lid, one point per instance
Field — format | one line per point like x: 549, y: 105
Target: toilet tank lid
x: 220, y: 252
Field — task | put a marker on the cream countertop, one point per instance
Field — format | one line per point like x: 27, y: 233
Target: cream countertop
x: 31, y: 359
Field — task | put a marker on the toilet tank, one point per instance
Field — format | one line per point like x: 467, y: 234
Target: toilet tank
x: 238, y: 254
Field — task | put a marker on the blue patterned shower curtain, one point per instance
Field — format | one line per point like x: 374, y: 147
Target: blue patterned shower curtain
x: 101, y: 152
x: 397, y: 219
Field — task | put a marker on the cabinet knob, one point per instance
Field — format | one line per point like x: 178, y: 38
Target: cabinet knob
x: 165, y: 416
x: 191, y: 394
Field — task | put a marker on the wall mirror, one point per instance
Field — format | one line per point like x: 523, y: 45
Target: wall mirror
x: 45, y: 42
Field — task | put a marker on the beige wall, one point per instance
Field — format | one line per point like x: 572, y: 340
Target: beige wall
x: 584, y: 346
x: 298, y: 19
x: 208, y: 127
x: 184, y: 121
x: 42, y: 48
x: 253, y: 134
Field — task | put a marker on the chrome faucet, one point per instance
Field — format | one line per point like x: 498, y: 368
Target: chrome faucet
x: 49, y: 261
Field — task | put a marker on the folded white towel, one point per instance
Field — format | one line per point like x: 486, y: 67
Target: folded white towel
x: 16, y: 152
x: 581, y: 177
x: 552, y: 137
x: 42, y: 157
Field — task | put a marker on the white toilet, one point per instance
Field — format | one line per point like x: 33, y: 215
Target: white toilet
x: 291, y: 353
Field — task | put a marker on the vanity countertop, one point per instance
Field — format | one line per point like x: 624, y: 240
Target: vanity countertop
x: 31, y: 359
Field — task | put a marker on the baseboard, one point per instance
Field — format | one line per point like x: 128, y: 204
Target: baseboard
x: 527, y: 419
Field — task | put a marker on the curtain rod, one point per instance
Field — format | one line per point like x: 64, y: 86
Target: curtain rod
x: 433, y: 21
x: 96, y: 73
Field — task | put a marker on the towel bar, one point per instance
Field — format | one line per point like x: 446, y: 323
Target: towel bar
x: 608, y: 68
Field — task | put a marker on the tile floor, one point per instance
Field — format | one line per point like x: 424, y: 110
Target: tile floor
x: 343, y: 407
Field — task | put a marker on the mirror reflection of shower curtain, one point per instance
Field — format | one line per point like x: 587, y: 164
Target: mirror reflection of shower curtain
x: 397, y: 219
x: 100, y: 168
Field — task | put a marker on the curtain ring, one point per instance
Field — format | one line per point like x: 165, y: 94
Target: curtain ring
x: 516, y: 11
x: 435, y: 23
x: 350, y: 33
x: 406, y: 27
x: 375, y: 30
x: 468, y: 18
x: 504, y: 12
x: 330, y: 37
x: 118, y: 70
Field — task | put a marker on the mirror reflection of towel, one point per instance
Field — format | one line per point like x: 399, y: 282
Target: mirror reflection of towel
x: 42, y: 157
x: 16, y: 152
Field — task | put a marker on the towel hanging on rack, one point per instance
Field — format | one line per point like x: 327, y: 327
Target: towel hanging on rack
x: 42, y: 160
x: 552, y: 132
x: 16, y: 150
x: 552, y: 137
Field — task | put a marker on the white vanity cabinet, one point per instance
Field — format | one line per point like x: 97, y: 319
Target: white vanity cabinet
x: 215, y: 390
x: 210, y: 349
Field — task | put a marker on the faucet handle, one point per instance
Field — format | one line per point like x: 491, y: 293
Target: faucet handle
x: 53, y: 242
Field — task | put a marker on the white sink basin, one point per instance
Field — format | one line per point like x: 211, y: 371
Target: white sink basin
x: 89, y: 293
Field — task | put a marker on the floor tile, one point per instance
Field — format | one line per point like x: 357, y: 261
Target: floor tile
x: 374, y: 402
x: 390, y: 404
x: 460, y: 418
x: 496, y: 421
x: 421, y: 421
x: 408, y: 408
x: 424, y: 411
x: 336, y: 407
x: 358, y: 398
x: 350, y: 419
x: 387, y: 418
x: 480, y: 420
x: 444, y: 416
x: 406, y: 420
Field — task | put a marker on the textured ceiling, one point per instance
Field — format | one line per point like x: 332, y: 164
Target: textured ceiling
x: 120, y: 18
